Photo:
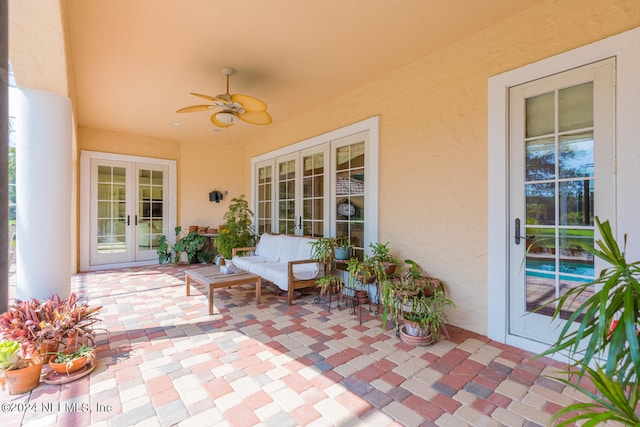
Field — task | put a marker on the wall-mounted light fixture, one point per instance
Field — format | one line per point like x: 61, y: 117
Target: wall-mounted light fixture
x: 216, y: 196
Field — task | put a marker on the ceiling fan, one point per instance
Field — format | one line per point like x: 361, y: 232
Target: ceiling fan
x: 232, y: 107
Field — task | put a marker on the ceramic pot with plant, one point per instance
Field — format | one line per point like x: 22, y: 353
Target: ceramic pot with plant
x: 361, y: 272
x: 330, y: 285
x: 381, y: 257
x: 19, y: 371
x: 418, y: 276
x: 342, y: 249
x: 396, y: 297
x: 67, y: 363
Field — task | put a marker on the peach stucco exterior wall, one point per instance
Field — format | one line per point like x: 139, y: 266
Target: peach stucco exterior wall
x: 433, y: 139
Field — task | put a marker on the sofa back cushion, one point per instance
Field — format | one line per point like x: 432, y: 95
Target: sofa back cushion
x: 269, y: 246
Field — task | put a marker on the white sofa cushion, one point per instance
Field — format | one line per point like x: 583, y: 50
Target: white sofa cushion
x: 269, y: 246
x: 244, y: 262
x: 273, y: 253
x: 276, y: 272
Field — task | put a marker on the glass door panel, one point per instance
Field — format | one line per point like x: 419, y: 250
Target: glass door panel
x: 349, y: 195
x: 149, y: 219
x: 110, y: 236
x: 287, y: 196
x: 264, y: 214
x: 313, y: 176
x: 112, y: 210
x: 553, y: 186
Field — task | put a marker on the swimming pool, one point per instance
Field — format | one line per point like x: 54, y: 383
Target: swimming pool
x: 546, y: 266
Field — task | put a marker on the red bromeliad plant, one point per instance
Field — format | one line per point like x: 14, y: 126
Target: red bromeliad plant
x: 35, y: 322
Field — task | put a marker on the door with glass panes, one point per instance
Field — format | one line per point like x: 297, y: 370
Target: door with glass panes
x: 348, y: 190
x: 561, y: 177
x: 128, y: 211
x: 301, y: 179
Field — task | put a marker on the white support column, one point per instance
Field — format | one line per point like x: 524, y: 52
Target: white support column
x: 43, y: 200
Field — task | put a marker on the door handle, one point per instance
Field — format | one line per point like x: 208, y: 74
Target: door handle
x: 128, y: 220
x: 519, y: 236
x: 136, y: 220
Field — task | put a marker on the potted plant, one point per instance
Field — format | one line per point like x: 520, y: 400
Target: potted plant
x: 427, y: 318
x: 55, y: 321
x: 601, y: 338
x: 420, y: 278
x: 19, y: 370
x: 396, y: 297
x: 190, y: 244
x: 322, y: 250
x: 342, y: 249
x: 330, y: 284
x: 67, y: 363
x: 237, y: 231
x: 385, y: 264
x: 361, y: 274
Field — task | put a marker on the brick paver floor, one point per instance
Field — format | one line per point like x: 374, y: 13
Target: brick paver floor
x: 162, y: 360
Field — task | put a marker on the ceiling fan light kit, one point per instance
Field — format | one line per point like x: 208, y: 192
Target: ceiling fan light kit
x: 232, y: 107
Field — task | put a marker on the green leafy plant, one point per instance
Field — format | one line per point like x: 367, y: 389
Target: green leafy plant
x: 238, y: 231
x: 191, y: 244
x: 418, y: 276
x: 381, y: 252
x: 395, y: 296
x: 329, y: 284
x: 612, y: 402
x: 9, y: 355
x: 605, y: 331
x: 382, y: 261
x: 360, y: 272
x: 67, y: 358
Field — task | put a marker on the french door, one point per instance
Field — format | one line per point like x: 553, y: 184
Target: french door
x: 561, y: 177
x: 301, y: 179
x: 126, y: 205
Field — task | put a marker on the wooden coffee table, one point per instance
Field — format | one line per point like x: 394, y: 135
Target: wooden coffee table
x: 212, y: 277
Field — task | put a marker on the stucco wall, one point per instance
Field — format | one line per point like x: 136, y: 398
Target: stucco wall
x: 433, y: 138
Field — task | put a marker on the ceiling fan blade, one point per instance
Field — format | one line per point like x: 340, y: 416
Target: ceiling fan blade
x: 256, y: 117
x: 195, y: 108
x: 210, y: 98
x: 249, y: 103
x: 218, y: 123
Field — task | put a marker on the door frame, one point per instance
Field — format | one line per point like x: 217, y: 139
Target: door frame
x: 625, y: 48
x: 85, y: 203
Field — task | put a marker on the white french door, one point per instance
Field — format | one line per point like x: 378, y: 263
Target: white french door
x: 127, y: 203
x: 561, y: 134
x: 301, y: 180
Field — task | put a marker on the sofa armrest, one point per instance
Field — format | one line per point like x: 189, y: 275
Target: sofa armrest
x: 303, y: 261
x: 235, y: 251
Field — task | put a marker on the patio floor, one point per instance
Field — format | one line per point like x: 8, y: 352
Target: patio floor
x: 167, y: 362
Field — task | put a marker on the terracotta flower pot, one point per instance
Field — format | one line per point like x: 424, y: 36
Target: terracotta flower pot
x: 20, y: 381
x: 415, y: 329
x: 193, y: 228
x: 389, y: 268
x: 48, y: 348
x: 362, y: 297
x: 419, y: 341
x: 64, y: 368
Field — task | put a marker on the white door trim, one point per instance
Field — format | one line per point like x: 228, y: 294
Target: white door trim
x: 625, y: 48
x: 85, y: 201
